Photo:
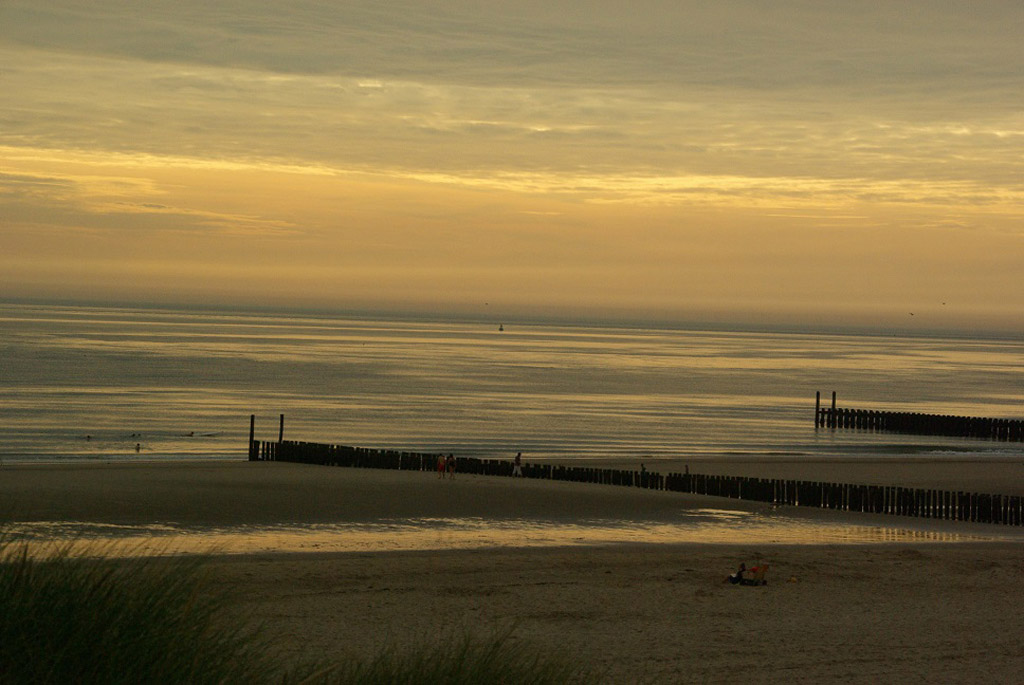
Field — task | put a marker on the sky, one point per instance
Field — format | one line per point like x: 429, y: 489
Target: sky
x: 808, y: 161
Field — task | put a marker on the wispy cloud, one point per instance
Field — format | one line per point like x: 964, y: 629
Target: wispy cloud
x: 229, y: 116
x: 114, y: 202
x: 464, y: 120
x: 673, y: 86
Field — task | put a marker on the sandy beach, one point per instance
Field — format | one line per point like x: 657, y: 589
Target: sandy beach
x: 662, y: 614
x: 893, y: 612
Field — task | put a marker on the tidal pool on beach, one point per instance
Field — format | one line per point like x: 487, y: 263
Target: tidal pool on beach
x: 710, y: 526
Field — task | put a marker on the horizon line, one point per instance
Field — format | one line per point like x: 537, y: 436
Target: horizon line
x: 722, y: 321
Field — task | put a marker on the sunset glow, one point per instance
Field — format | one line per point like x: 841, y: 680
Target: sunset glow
x: 817, y: 163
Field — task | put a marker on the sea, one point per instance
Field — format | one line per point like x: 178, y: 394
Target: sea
x: 91, y: 382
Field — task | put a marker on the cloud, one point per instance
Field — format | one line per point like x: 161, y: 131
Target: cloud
x: 734, y: 43
x: 384, y: 133
x: 112, y: 201
x: 671, y: 88
x: 23, y: 187
x: 407, y: 128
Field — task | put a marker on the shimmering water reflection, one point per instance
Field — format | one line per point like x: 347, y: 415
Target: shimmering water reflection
x: 86, y: 383
x: 710, y: 526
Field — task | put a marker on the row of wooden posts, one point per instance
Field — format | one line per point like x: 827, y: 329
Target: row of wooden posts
x: 1011, y: 430
x: 877, y: 499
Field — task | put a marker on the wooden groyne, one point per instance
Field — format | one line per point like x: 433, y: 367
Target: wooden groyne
x: 875, y: 499
x: 1007, y: 430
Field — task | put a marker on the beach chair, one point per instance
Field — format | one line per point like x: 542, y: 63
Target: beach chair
x: 755, y: 575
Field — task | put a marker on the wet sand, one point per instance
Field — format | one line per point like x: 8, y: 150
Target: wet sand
x: 241, y: 492
x: 638, y: 613
x: 254, y: 493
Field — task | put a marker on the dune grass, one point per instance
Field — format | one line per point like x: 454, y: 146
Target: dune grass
x: 463, y: 660
x: 67, y: 619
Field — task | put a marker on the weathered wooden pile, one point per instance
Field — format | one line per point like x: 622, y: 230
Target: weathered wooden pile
x: 1010, y: 430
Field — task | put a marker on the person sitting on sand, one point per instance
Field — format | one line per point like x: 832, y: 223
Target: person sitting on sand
x: 737, y: 578
x: 756, y: 576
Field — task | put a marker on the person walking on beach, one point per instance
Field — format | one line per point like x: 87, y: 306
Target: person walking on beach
x: 451, y: 466
x: 441, y: 464
x: 517, y: 466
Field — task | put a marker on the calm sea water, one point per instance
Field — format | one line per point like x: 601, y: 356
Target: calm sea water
x: 101, y: 383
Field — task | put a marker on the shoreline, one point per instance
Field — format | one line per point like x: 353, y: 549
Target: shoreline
x: 1002, y: 475
x: 242, y: 507
x: 228, y: 492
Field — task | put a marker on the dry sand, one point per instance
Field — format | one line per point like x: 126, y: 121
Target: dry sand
x: 637, y: 613
x: 938, y: 614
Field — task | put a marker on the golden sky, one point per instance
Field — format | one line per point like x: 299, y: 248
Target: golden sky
x: 819, y: 162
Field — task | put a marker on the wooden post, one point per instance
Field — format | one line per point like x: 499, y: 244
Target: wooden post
x: 817, y: 407
x: 832, y: 422
x: 252, y: 433
x: 280, y: 434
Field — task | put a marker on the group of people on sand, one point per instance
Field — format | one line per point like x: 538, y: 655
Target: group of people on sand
x: 752, y: 576
x: 446, y: 466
